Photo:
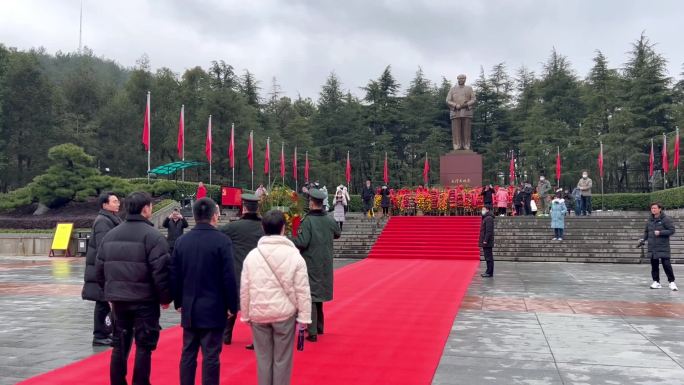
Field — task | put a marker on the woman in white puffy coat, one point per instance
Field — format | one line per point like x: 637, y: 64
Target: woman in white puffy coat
x: 274, y: 293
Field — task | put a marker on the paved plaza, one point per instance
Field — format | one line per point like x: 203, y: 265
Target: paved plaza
x: 534, y: 323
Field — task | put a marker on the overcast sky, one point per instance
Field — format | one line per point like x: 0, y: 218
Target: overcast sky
x: 301, y: 42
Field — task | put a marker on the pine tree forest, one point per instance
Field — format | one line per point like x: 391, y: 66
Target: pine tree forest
x: 99, y: 105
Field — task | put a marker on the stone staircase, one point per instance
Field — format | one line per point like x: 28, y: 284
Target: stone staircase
x: 608, y: 239
x: 358, y: 236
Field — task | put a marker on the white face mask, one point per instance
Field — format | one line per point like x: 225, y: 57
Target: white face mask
x: 541, y: 178
x: 585, y: 175
x: 484, y: 211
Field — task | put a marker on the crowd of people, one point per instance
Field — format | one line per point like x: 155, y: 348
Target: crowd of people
x: 247, y: 268
x: 277, y: 284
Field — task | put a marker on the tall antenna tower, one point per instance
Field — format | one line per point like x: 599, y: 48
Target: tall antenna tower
x: 80, y: 31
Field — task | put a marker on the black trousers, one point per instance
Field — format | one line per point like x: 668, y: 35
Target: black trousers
x: 317, y: 319
x: 528, y: 205
x: 586, y: 205
x: 489, y: 258
x: 100, y: 328
x: 228, y: 331
x: 667, y: 266
x: 519, y: 209
x: 139, y: 320
x: 210, y: 342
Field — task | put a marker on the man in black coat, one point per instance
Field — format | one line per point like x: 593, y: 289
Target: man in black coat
x: 204, y: 291
x: 106, y: 220
x: 659, y: 229
x: 368, y: 197
x: 175, y: 223
x: 487, y: 239
x: 244, y: 234
x: 133, y: 268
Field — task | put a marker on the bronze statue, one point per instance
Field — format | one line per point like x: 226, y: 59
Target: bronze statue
x: 461, y: 101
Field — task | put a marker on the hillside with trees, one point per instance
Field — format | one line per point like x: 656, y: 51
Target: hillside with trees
x: 93, y: 102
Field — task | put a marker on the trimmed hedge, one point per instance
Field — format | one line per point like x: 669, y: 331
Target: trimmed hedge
x: 636, y: 202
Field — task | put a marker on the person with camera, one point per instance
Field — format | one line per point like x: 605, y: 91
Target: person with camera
x: 175, y: 223
x: 659, y: 229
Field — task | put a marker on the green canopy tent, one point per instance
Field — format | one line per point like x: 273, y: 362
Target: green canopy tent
x: 173, y: 167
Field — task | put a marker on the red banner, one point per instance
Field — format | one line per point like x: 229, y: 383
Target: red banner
x: 207, y: 144
x: 181, y: 134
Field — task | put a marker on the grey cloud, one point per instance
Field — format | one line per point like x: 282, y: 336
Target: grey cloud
x: 301, y: 42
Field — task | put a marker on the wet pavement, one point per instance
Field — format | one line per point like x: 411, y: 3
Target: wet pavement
x: 563, y: 323
x: 534, y: 323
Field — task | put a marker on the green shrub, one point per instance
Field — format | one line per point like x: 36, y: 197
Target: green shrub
x: 636, y: 201
x: 671, y: 198
x: 13, y: 199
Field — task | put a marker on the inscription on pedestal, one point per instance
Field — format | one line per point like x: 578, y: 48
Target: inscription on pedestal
x: 460, y: 168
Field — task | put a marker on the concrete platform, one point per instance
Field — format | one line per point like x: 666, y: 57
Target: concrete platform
x: 562, y: 323
x: 534, y: 323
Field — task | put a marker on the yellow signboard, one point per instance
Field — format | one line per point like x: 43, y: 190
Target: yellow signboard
x: 62, y: 236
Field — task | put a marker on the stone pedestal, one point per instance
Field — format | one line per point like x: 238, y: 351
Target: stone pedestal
x: 462, y: 167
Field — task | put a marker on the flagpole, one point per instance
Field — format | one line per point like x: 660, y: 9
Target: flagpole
x: 149, y: 145
x: 251, y: 143
x: 183, y: 144
x: 295, y: 171
x: 662, y: 156
x: 232, y: 144
x: 558, y: 176
x: 601, y: 174
x: 268, y: 147
x: 210, y: 152
x: 282, y: 159
x: 676, y: 156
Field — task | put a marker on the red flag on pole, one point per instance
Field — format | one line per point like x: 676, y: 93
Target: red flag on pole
x: 146, y: 125
x: 675, y: 157
x: 426, y: 170
x: 306, y: 166
x: 294, y: 164
x: 207, y: 143
x: 282, y: 160
x: 651, y: 161
x: 250, y: 154
x: 347, y: 170
x: 600, y: 159
x: 231, y: 147
x: 511, y: 169
x: 666, y: 163
x: 558, y: 164
x: 267, y: 157
x: 181, y: 134
x: 385, y: 171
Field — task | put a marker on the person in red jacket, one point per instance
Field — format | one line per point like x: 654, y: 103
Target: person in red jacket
x: 201, y: 191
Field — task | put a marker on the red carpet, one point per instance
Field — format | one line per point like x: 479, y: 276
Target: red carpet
x: 387, y: 325
x: 429, y: 238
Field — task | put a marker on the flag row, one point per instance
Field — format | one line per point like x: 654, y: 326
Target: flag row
x: 250, y: 150
x: 651, y: 159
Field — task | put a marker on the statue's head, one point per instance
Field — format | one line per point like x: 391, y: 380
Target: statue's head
x: 461, y: 79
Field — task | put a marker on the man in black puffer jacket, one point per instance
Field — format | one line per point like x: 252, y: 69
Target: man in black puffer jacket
x: 105, y: 221
x: 133, y: 268
x: 659, y: 228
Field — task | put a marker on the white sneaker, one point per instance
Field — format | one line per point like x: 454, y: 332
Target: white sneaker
x: 656, y: 285
x: 560, y: 239
x: 673, y: 286
x: 554, y: 239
